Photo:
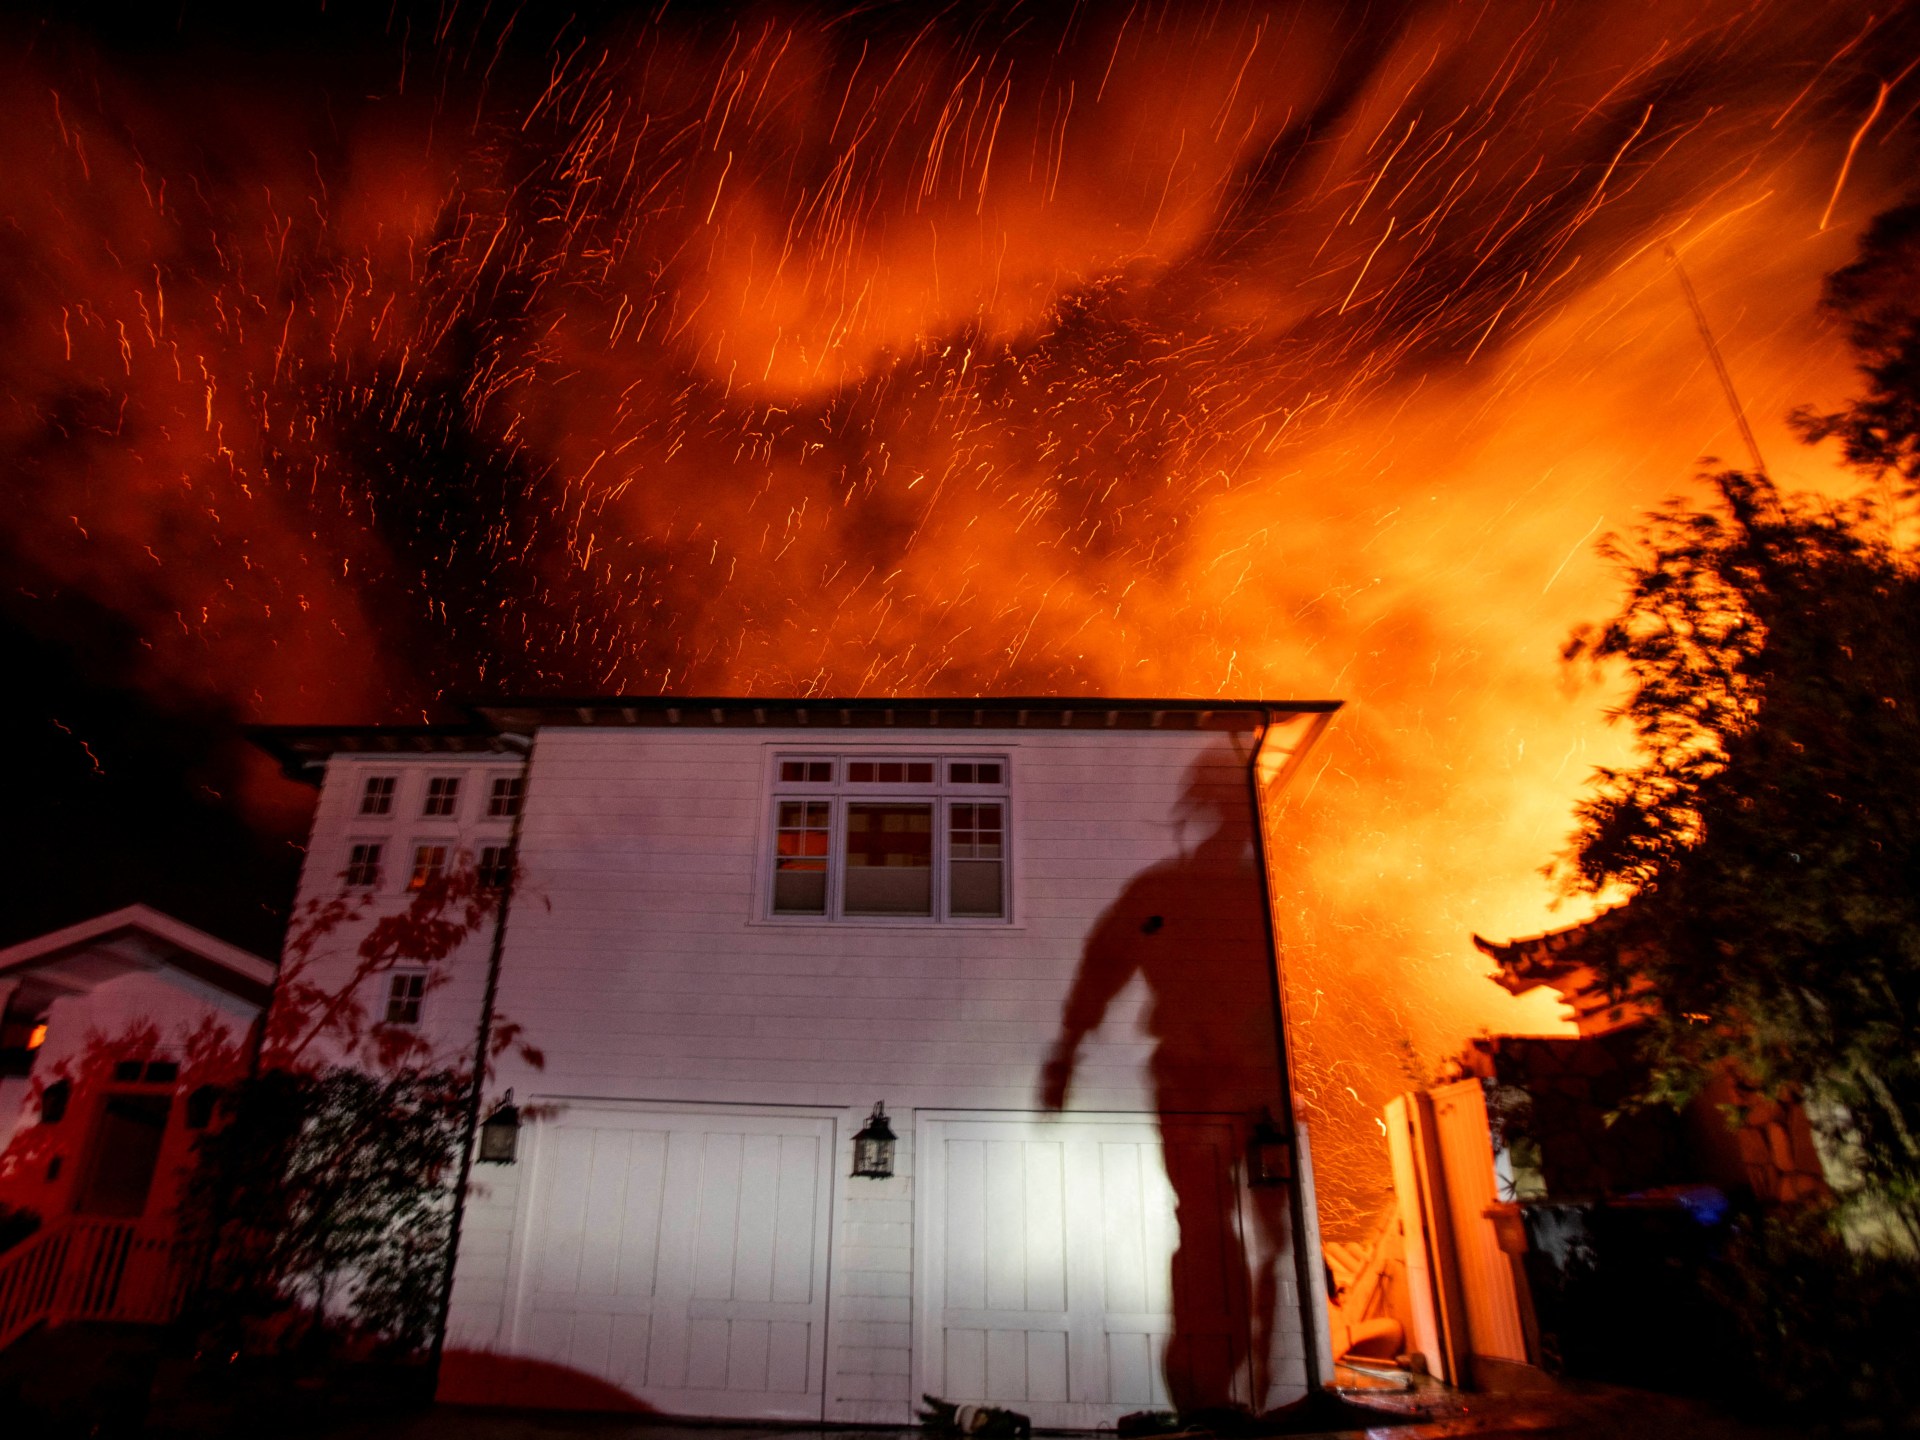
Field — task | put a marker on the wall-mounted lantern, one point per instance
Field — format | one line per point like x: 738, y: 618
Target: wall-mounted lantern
x: 1269, y: 1153
x: 873, y: 1146
x: 500, y: 1133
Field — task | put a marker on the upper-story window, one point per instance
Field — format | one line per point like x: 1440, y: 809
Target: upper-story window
x: 443, y: 795
x: 429, y: 865
x: 495, y: 867
x: 363, y: 866
x: 882, y: 836
x: 376, y: 797
x: 406, y: 990
x: 504, y: 799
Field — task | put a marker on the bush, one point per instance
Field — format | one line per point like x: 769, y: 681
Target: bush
x: 328, y: 1200
x: 1831, y: 1330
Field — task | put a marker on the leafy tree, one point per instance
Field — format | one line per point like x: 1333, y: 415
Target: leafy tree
x: 1876, y: 299
x: 339, y: 1176
x: 1770, y: 835
x: 328, y: 1187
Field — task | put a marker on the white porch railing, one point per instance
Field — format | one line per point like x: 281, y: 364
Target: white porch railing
x: 88, y: 1267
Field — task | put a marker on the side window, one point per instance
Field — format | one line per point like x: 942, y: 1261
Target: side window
x: 504, y: 799
x: 803, y: 837
x: 405, y: 992
x: 363, y: 867
x: 976, y: 859
x: 429, y: 865
x: 495, y: 867
x: 376, y: 797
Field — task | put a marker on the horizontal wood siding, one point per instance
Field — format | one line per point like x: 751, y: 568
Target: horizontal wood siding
x: 451, y: 1015
x: 636, y: 960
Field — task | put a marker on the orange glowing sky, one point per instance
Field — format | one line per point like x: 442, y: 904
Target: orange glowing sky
x: 1299, y: 350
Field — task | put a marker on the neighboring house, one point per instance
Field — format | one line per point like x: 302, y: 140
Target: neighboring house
x: 114, y: 1036
x: 1541, y: 1217
x: 1036, y: 932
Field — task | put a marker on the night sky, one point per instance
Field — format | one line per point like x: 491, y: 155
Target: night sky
x: 354, y: 360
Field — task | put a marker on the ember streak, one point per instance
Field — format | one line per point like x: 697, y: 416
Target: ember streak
x: 1289, y: 351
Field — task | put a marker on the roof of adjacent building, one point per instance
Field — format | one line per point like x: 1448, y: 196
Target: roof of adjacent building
x: 499, y: 726
x: 1535, y: 960
x: 136, y: 938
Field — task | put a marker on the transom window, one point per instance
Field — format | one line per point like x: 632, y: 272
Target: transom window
x: 429, y: 865
x: 405, y: 991
x: 884, y: 836
x: 363, y: 866
x: 377, y: 796
x: 504, y: 800
x: 443, y: 795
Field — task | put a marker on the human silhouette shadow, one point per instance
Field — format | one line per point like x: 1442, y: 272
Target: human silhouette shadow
x: 1193, y: 930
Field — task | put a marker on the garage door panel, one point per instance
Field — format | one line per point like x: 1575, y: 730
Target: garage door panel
x: 719, y: 1232
x: 680, y: 1256
x: 1047, y: 1246
x: 796, y: 1231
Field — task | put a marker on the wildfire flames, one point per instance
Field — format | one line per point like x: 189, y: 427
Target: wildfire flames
x: 1291, y: 351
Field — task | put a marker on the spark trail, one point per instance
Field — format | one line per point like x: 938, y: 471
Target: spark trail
x: 1282, y: 350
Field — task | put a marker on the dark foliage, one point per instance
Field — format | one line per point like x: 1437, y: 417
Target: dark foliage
x: 1770, y: 836
x: 315, y: 1182
x: 1876, y: 299
x: 16, y: 1224
x: 1830, y: 1331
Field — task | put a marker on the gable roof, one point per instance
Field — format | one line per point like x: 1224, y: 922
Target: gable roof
x: 131, y: 939
x: 1557, y: 955
x: 500, y: 726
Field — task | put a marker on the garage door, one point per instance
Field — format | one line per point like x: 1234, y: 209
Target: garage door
x: 1046, y: 1264
x: 681, y: 1256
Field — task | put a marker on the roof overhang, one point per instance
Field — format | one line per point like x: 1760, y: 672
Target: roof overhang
x: 135, y: 939
x: 501, y: 726
x: 1557, y: 955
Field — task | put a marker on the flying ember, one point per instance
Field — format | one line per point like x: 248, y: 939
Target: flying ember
x: 1300, y: 350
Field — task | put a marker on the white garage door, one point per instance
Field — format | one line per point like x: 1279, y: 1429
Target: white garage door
x: 1045, y: 1256
x: 681, y: 1256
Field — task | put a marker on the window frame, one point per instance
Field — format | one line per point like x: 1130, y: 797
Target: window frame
x: 415, y: 979
x: 453, y: 798
x: 417, y: 880
x: 505, y: 795
x: 388, y: 795
x: 376, y: 873
x: 941, y: 794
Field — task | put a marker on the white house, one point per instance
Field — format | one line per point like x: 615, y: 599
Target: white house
x: 115, y: 1033
x: 1036, y: 932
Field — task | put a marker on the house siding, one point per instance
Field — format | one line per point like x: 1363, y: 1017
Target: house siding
x: 637, y: 959
x: 450, y: 1017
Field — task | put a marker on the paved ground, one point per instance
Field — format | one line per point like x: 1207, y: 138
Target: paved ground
x: 1563, y: 1413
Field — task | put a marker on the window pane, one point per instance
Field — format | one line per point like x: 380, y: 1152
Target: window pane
x: 800, y: 892
x: 820, y: 772
x: 792, y: 770
x: 959, y: 773
x: 974, y: 888
x: 889, y: 860
x: 920, y: 773
x: 860, y: 772
x: 988, y: 774
x: 801, y: 842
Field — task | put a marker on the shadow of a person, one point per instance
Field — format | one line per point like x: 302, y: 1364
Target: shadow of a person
x: 1193, y: 929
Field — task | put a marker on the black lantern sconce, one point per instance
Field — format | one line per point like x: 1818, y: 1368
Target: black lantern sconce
x: 1269, y: 1153
x: 500, y: 1133
x: 873, y: 1146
